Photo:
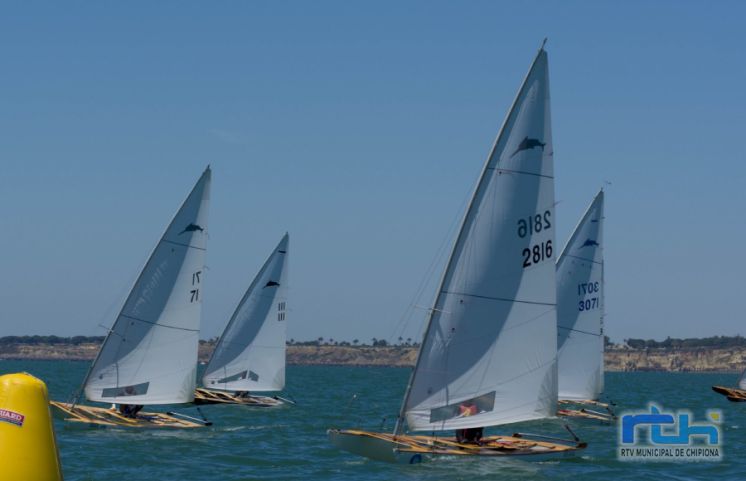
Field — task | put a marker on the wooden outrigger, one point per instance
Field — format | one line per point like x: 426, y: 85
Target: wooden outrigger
x: 408, y: 449
x: 585, y: 413
x: 111, y: 417
x: 210, y: 396
x: 731, y: 393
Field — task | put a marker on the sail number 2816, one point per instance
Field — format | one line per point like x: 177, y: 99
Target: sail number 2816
x: 537, y: 253
x: 534, y: 224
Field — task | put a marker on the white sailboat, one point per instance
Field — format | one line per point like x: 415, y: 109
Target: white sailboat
x: 489, y: 352
x: 249, y: 357
x: 149, y: 356
x: 580, y: 304
x: 734, y: 394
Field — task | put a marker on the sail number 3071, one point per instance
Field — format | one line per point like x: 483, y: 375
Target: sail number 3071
x: 534, y: 224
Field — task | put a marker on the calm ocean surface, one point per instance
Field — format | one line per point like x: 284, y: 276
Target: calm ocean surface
x: 290, y: 442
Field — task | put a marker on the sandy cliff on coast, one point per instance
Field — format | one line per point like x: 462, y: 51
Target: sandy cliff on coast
x: 674, y: 360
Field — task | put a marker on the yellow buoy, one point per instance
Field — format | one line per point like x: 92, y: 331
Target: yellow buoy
x: 27, y: 440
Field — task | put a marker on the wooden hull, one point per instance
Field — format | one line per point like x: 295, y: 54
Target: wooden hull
x: 586, y: 414
x: 573, y: 410
x: 209, y: 396
x: 405, y: 449
x: 733, y: 394
x: 103, y: 417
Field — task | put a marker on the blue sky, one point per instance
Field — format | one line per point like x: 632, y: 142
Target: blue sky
x: 360, y: 128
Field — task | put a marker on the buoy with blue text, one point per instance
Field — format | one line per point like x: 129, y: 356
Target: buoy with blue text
x: 27, y: 440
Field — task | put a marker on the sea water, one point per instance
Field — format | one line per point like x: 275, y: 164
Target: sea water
x: 290, y: 442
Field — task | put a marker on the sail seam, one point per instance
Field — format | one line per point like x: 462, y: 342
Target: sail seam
x: 499, y: 298
x: 184, y: 245
x: 578, y: 330
x: 521, y: 172
x: 584, y: 259
x: 157, y: 324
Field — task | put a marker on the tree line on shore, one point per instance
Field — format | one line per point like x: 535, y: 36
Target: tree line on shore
x: 75, y: 340
x: 321, y: 341
x: 714, y: 342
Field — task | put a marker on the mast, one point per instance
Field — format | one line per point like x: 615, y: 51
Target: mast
x: 468, y: 215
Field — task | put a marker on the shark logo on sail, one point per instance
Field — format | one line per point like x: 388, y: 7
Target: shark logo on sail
x: 192, y: 228
x: 670, y: 436
x: 589, y: 243
x: 529, y: 144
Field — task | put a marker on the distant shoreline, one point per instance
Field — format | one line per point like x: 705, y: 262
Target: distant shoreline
x: 732, y: 359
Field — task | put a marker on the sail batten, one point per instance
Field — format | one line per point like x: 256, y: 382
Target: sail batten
x: 488, y: 356
x: 580, y: 290
x: 150, y: 354
x: 498, y: 298
x: 250, y: 354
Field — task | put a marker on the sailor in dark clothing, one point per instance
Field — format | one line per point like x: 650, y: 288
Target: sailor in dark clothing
x: 469, y: 435
x: 130, y: 410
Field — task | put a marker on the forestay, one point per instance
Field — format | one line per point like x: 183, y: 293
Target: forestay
x: 150, y: 354
x: 250, y: 355
x: 489, y: 352
x: 580, y: 287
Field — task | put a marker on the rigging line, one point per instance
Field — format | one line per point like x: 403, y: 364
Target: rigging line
x: 518, y: 376
x: 499, y: 298
x: 527, y: 321
x: 578, y: 330
x: 406, y: 316
x: 493, y: 348
x: 183, y: 245
x: 159, y: 325
x: 511, y: 171
x: 584, y: 259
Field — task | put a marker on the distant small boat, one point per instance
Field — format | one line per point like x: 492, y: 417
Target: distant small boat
x: 149, y: 356
x: 580, y: 312
x: 249, y: 357
x: 489, y: 352
x: 734, y: 394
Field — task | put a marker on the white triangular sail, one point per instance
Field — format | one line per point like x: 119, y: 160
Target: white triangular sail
x: 491, y: 341
x: 742, y: 380
x: 580, y: 294
x: 250, y: 355
x: 150, y: 354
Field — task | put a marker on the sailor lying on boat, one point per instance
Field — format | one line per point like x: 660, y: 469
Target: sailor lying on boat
x: 469, y: 435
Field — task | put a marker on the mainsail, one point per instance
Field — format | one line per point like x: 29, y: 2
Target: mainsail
x: 742, y: 380
x: 580, y: 294
x: 250, y: 355
x: 489, y: 353
x: 150, y: 354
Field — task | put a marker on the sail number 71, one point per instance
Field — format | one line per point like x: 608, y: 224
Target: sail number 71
x: 195, y: 283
